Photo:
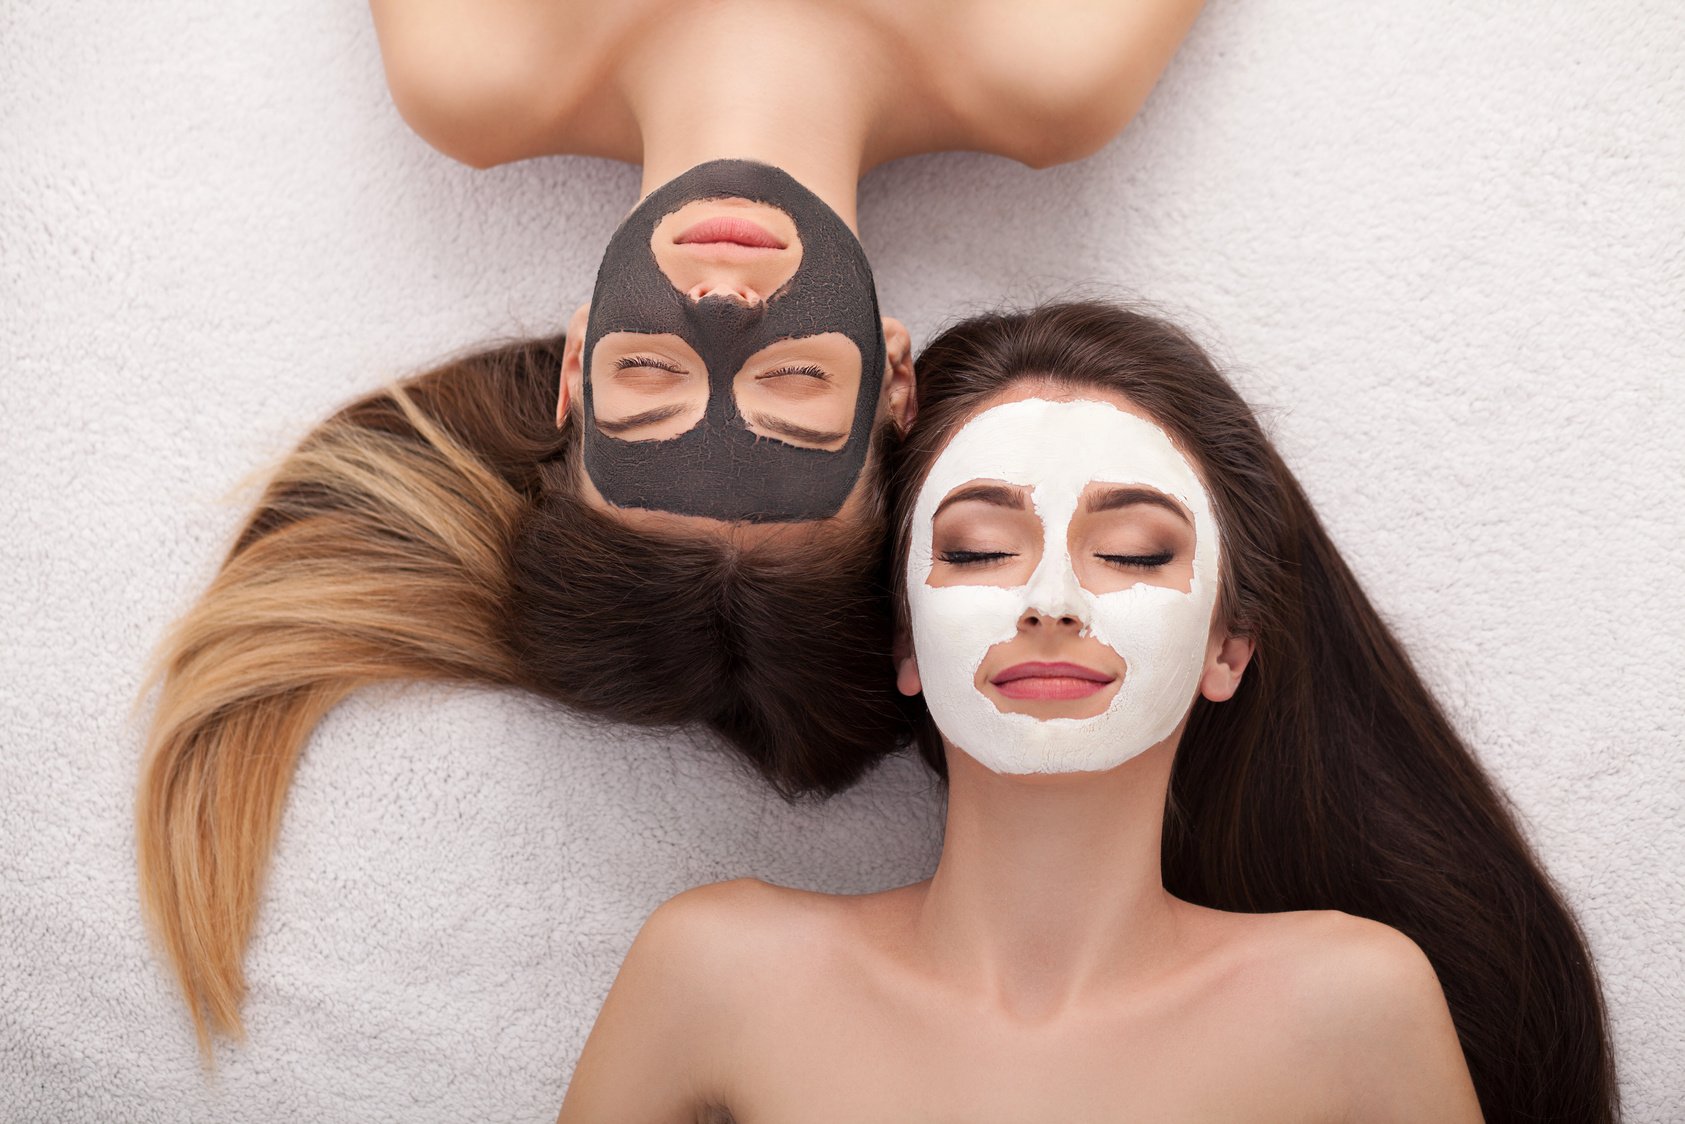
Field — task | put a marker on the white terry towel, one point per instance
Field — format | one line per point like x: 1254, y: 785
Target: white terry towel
x: 1441, y: 242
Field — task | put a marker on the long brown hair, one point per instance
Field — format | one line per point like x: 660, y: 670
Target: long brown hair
x: 435, y: 530
x: 1332, y: 779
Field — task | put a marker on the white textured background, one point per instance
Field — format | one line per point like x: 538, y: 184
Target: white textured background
x: 1440, y: 242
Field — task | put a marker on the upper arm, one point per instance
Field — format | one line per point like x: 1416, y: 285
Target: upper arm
x: 1399, y: 1058
x: 655, y: 1052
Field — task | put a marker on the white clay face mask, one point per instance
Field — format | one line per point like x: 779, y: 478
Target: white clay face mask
x: 1057, y: 450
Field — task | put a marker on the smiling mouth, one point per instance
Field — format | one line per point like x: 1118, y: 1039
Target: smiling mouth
x: 1050, y: 681
x: 729, y: 230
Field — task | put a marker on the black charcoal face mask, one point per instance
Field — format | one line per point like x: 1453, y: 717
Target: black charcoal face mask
x: 720, y: 468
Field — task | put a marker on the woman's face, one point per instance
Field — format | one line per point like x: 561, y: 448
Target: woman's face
x: 654, y: 386
x: 1062, y: 580
x: 734, y: 365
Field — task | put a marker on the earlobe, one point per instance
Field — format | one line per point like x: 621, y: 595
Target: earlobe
x: 1224, y: 669
x: 563, y: 398
x: 573, y: 364
x: 907, y: 676
x: 905, y: 666
x: 899, y: 379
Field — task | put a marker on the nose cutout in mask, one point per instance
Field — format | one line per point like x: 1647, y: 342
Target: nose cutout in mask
x: 1159, y: 634
x: 1054, y: 591
x: 720, y: 468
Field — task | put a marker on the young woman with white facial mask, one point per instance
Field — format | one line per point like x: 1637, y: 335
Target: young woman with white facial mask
x: 636, y: 517
x: 1212, y: 850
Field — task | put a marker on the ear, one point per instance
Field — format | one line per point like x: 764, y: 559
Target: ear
x: 1224, y: 664
x: 898, y: 388
x: 573, y: 364
x: 906, y: 666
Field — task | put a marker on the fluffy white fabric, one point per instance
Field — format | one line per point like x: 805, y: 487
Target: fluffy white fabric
x: 1439, y: 242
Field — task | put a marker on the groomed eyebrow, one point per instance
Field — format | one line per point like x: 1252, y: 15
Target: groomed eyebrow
x: 1001, y: 495
x: 793, y: 431
x: 635, y: 421
x: 1114, y: 498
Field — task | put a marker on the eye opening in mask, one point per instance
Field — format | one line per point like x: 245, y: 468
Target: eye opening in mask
x: 801, y: 390
x: 647, y: 387
x: 987, y: 532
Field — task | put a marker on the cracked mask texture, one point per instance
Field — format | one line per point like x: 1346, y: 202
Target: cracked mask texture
x: 1056, y: 449
x: 720, y: 468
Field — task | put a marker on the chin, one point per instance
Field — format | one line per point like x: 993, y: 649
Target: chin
x: 1045, y: 709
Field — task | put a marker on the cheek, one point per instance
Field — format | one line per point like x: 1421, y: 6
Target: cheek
x: 955, y: 626
x: 1162, y: 634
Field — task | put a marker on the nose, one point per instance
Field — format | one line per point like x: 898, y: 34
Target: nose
x: 1038, y: 619
x: 1054, y: 596
x: 728, y: 289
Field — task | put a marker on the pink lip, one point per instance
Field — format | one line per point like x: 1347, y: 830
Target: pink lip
x: 736, y: 231
x: 1050, y: 681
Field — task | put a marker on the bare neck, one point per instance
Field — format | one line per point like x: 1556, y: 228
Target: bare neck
x: 804, y: 104
x: 1049, y: 886
x: 831, y: 175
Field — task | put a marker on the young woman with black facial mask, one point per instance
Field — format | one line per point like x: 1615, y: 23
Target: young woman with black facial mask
x: 671, y: 513
x: 1213, y: 852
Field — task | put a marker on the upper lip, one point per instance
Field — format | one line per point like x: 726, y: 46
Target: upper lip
x: 1034, y: 670
x: 730, y: 228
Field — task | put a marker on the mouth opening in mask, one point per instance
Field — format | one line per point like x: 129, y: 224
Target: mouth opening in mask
x: 1071, y: 677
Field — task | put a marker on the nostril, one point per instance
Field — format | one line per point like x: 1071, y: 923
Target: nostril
x: 733, y: 293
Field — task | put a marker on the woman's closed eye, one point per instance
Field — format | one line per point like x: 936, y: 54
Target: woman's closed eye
x: 1139, y: 561
x: 974, y: 557
x: 800, y: 371
x: 796, y: 382
x: 647, y: 363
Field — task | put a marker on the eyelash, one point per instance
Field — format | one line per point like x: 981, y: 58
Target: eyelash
x: 974, y: 557
x: 1129, y: 561
x: 807, y: 371
x: 1139, y: 561
x: 631, y: 361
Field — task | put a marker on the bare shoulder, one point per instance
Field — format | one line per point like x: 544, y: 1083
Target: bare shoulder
x: 1351, y: 969
x: 1369, y: 1004
x: 731, y: 936
x: 1321, y: 963
x: 1053, y: 83
x: 488, y: 82
x: 666, y: 1042
x: 734, y: 909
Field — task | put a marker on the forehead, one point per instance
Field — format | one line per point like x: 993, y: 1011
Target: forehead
x: 1060, y: 447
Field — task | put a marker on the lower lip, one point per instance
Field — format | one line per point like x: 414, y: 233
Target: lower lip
x: 1051, y: 687
x: 730, y: 232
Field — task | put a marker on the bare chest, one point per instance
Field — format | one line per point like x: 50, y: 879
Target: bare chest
x: 841, y: 1053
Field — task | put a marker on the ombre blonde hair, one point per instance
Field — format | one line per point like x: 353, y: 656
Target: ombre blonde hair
x: 433, y: 531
